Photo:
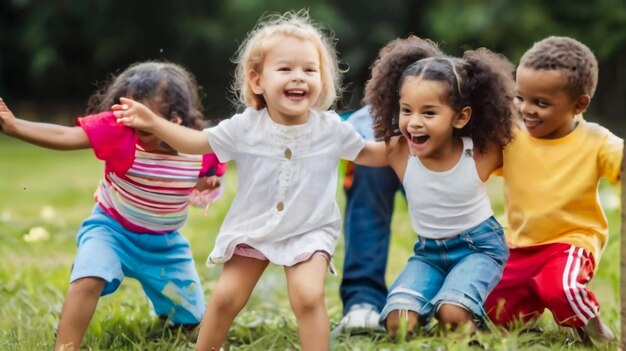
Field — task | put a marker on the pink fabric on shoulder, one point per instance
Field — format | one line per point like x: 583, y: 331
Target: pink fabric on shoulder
x: 111, y: 141
x: 210, y: 161
x: 220, y: 169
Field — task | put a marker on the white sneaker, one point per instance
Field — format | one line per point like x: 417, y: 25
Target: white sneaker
x: 361, y: 318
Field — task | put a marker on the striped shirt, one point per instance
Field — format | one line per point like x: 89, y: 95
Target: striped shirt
x: 146, y: 192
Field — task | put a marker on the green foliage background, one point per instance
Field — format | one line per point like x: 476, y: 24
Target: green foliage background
x: 54, y: 52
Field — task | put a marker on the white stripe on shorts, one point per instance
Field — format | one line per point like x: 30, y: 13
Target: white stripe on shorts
x: 576, y: 293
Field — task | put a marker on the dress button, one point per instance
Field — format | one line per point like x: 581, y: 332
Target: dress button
x: 280, y: 206
x: 288, y: 153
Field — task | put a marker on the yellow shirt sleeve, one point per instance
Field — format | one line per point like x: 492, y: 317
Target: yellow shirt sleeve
x: 610, y: 158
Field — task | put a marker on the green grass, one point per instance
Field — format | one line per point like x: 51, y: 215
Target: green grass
x: 53, y: 190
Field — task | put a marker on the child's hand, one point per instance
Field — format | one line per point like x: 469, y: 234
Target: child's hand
x: 7, y: 119
x: 208, y: 183
x: 206, y: 192
x: 134, y: 114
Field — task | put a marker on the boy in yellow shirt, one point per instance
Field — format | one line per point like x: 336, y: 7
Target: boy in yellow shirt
x: 557, y: 228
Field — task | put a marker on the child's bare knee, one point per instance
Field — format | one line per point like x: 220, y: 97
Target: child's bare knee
x: 228, y: 302
x: 453, y: 315
x: 307, y: 300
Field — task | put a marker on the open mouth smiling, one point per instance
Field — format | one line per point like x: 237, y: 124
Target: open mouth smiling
x: 296, y: 93
x: 419, y: 139
x: 531, y: 122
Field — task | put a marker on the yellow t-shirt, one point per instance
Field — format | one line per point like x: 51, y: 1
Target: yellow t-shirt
x: 551, y: 187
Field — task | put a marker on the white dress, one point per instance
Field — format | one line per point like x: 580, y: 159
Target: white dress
x: 285, y: 204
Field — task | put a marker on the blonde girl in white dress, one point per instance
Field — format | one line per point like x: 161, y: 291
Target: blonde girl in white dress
x: 286, y: 146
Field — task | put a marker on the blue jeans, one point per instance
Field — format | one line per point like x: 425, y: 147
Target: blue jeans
x: 367, y: 221
x: 461, y: 271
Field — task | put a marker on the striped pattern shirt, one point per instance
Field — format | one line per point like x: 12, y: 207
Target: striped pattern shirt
x: 146, y: 192
x: 153, y: 195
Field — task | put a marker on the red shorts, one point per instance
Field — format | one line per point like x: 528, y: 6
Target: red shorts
x: 552, y: 276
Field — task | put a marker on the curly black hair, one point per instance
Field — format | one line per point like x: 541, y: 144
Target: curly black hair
x: 381, y: 91
x: 164, y: 84
x: 480, y: 79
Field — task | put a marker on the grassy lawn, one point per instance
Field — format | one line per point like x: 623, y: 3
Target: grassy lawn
x: 44, y: 196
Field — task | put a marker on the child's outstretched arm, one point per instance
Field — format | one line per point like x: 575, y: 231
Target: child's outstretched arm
x: 48, y: 135
x: 374, y: 154
x: 182, y: 139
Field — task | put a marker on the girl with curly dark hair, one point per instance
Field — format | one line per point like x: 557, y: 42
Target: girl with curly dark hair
x: 445, y: 121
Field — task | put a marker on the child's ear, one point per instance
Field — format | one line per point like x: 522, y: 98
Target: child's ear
x: 176, y: 118
x: 255, y: 82
x: 462, y: 117
x: 581, y: 104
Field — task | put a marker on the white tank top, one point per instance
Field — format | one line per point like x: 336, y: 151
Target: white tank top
x: 445, y: 204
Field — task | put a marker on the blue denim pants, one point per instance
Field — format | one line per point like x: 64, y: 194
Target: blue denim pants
x: 461, y: 271
x: 367, y: 221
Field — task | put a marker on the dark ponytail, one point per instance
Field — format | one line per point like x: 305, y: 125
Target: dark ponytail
x: 490, y: 87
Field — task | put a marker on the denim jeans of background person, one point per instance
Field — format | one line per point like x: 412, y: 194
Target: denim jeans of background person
x: 370, y: 195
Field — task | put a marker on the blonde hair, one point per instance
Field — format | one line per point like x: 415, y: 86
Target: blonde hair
x: 268, y: 31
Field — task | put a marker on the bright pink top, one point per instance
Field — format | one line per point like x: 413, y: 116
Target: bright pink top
x: 146, y: 192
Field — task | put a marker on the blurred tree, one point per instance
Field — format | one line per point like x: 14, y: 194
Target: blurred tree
x: 363, y: 30
x: 511, y: 27
x: 57, y: 51
x: 62, y: 48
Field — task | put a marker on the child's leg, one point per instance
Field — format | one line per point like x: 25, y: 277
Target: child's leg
x: 164, y: 265
x: 78, y: 309
x: 305, y: 282
x: 411, y: 293
x: 97, y: 271
x: 514, y: 298
x: 394, y: 320
x: 369, y: 207
x: 562, y: 286
x: 452, y: 316
x: 477, y: 258
x: 513, y: 302
x: 230, y: 295
x: 460, y: 300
